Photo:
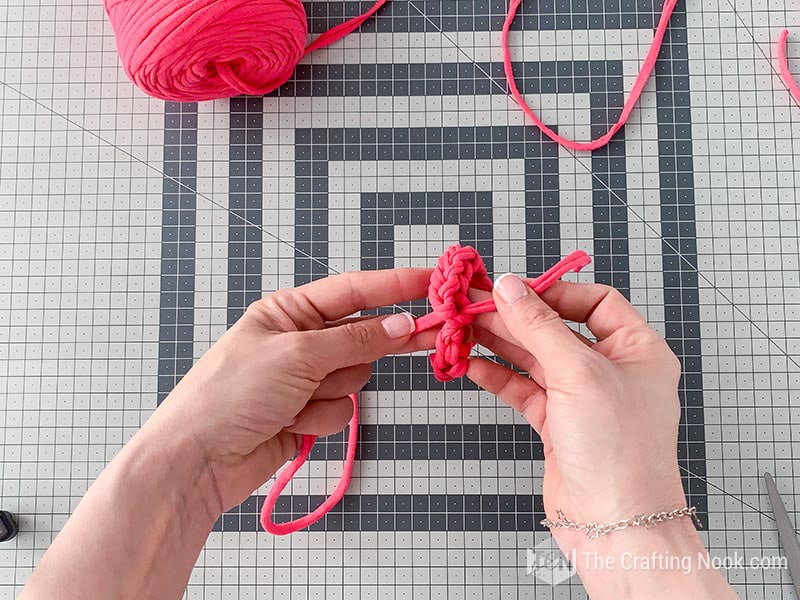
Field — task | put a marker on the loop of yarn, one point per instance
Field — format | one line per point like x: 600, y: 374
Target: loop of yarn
x: 783, y: 66
x: 286, y: 475
x: 633, y: 98
x: 458, y: 269
x: 193, y: 50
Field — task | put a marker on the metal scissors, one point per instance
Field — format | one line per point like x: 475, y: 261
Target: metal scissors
x: 786, y: 532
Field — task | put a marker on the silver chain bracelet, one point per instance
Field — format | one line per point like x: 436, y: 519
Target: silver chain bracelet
x: 595, y: 530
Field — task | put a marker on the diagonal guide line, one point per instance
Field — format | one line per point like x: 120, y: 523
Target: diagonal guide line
x: 649, y: 226
x: 163, y: 174
x: 274, y: 236
x: 248, y: 222
x: 333, y: 270
x: 760, y: 47
x: 463, y: 52
x: 769, y: 516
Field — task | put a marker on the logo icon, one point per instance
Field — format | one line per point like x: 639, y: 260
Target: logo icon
x: 548, y: 564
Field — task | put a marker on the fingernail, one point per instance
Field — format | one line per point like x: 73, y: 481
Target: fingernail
x: 399, y: 325
x: 511, y: 288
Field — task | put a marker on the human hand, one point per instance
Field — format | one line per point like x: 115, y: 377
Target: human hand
x: 607, y: 412
x: 285, y: 368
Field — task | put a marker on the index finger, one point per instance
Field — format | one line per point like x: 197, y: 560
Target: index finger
x: 603, y: 308
x: 338, y: 296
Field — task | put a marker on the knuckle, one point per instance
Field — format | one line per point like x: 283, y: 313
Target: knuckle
x: 673, y: 364
x: 675, y: 411
x: 606, y: 289
x: 584, y: 367
x: 613, y: 293
x: 360, y: 333
x: 285, y: 310
x: 298, y: 357
x: 269, y: 308
x: 662, y: 356
x: 281, y: 302
x: 640, y: 335
x: 277, y: 299
x: 536, y: 316
x: 258, y: 308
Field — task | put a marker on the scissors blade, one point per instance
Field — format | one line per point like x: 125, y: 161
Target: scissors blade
x: 786, y: 532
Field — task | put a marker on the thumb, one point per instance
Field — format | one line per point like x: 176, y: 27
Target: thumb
x: 359, y: 342
x: 537, y: 327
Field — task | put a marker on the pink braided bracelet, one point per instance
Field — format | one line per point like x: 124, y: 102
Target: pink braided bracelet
x: 457, y: 270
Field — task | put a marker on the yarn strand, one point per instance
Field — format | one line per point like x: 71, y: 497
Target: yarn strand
x: 286, y: 475
x: 336, y: 33
x: 633, y: 98
x: 783, y: 66
x: 572, y: 263
x: 458, y: 269
x: 195, y: 50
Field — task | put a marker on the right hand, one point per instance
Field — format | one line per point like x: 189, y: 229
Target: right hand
x: 607, y: 411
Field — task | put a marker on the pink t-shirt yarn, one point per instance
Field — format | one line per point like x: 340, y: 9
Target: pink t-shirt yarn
x: 783, y: 66
x: 193, y: 50
x: 457, y: 270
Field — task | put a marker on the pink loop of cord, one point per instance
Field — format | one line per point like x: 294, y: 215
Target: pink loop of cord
x: 783, y: 66
x: 458, y: 269
x: 285, y: 476
x: 636, y: 91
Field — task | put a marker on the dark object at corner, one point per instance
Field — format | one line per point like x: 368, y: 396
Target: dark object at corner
x: 8, y: 526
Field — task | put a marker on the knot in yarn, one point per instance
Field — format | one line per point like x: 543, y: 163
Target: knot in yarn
x: 193, y: 50
x: 458, y: 269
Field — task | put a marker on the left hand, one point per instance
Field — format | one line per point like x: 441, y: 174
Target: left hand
x: 286, y: 368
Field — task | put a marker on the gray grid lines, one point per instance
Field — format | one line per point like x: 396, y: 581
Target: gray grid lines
x: 743, y: 348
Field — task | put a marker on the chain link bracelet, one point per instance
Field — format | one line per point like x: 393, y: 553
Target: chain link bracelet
x: 595, y: 530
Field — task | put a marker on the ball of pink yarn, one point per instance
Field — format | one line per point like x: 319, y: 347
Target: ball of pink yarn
x: 191, y: 50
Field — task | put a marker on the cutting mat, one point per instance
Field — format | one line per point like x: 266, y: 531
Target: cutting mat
x: 134, y: 232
